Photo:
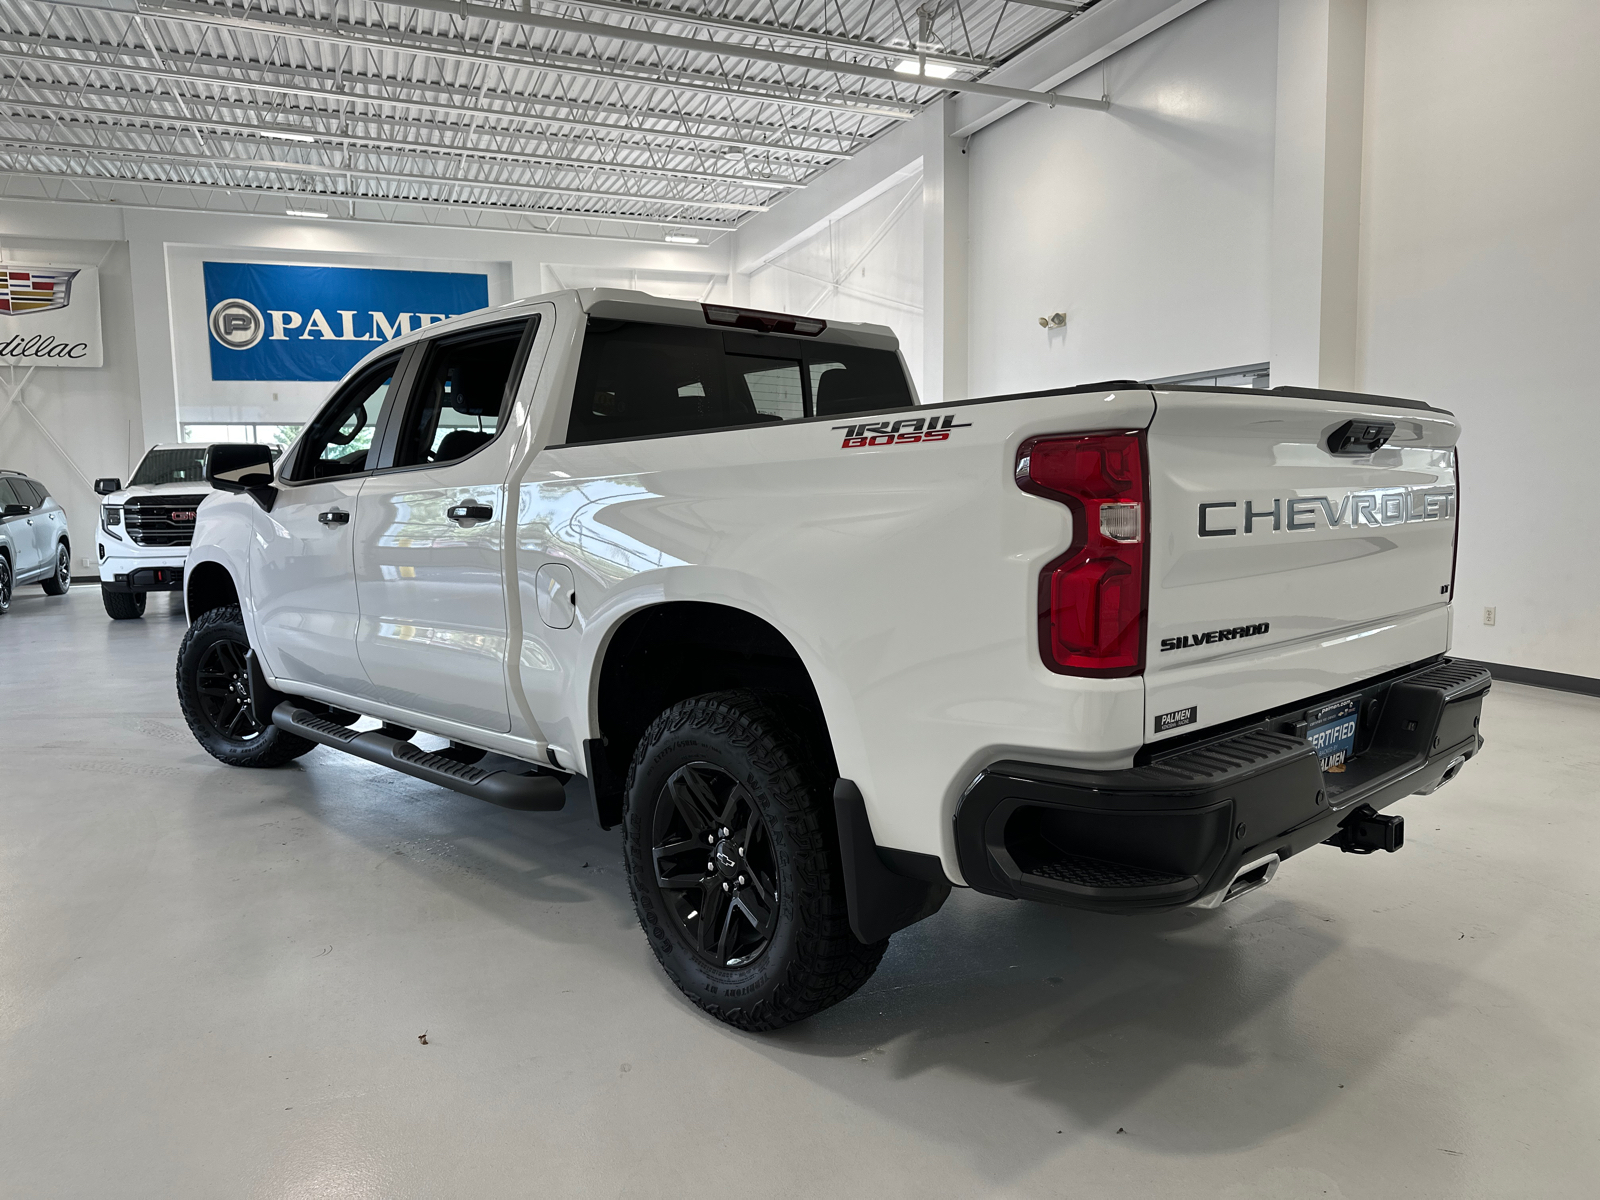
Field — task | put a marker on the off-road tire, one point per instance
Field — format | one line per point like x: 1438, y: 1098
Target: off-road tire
x: 811, y: 960
x: 210, y: 675
x: 58, y: 583
x: 122, y: 606
x: 5, y: 583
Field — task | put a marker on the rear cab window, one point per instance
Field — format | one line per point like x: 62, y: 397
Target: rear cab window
x: 640, y: 379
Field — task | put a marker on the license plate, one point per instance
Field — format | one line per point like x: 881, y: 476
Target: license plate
x: 1332, y: 731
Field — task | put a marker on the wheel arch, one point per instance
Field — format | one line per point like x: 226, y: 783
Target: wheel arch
x: 675, y: 649
x: 208, y: 585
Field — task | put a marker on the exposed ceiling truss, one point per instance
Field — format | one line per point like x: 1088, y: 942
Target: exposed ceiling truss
x: 600, y: 117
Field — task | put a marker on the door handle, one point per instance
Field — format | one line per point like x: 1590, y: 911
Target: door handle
x: 334, y: 517
x: 470, y: 512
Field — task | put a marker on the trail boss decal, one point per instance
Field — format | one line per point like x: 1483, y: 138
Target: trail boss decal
x: 902, y: 431
x: 1212, y: 636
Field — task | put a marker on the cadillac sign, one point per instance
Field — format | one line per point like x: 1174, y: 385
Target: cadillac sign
x: 49, y: 316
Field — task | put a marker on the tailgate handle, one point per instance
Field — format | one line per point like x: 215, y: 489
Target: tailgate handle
x: 1360, y: 437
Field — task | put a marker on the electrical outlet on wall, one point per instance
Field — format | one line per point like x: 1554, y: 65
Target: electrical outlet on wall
x: 1488, y: 616
x: 85, y: 561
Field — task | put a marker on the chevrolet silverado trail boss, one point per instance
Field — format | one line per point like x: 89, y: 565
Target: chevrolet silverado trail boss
x: 823, y: 652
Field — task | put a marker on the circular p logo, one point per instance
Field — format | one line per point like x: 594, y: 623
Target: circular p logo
x: 237, y: 324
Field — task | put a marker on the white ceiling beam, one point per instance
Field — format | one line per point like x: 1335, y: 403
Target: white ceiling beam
x: 753, y: 129
x: 1057, y: 59
x: 255, y: 19
x: 690, y: 82
x: 792, y: 33
x: 291, y: 167
x: 203, y: 188
x: 259, y: 132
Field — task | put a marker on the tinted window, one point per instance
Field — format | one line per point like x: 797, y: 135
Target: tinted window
x: 171, y: 466
x: 337, y: 442
x: 462, y: 391
x: 7, y: 496
x: 31, y: 491
x: 638, y: 380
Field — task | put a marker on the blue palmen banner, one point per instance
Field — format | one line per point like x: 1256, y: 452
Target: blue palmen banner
x: 315, y: 323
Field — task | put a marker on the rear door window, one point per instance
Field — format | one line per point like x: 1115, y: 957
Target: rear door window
x: 642, y: 380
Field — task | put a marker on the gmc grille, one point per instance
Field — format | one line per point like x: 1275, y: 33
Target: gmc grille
x: 150, y: 520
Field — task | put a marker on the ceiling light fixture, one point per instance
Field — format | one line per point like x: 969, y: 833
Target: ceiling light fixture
x: 304, y: 212
x: 683, y: 239
x: 933, y: 70
x: 286, y: 136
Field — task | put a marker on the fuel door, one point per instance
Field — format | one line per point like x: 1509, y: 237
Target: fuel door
x: 557, y: 595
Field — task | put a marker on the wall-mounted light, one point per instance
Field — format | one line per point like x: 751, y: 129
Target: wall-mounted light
x: 683, y: 239
x: 305, y: 212
x: 1053, y: 321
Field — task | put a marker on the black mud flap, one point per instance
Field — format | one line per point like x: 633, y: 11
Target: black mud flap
x: 882, y: 900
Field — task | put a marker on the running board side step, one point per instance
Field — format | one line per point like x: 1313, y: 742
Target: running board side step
x: 498, y: 780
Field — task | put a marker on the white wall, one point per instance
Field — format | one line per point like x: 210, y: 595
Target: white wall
x: 864, y: 265
x: 1480, y: 292
x: 1148, y: 225
x: 67, y: 425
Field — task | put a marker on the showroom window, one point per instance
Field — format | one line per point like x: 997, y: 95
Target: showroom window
x: 337, y: 442
x: 464, y: 388
x: 641, y: 380
x: 253, y: 434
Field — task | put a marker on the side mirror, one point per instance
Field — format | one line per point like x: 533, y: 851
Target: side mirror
x: 105, y: 487
x: 242, y: 467
x: 15, y: 510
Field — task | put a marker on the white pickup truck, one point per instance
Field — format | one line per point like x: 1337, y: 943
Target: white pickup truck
x: 824, y: 652
x: 145, y: 526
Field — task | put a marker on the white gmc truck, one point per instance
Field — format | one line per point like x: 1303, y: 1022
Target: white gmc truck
x: 824, y: 652
x: 146, y: 525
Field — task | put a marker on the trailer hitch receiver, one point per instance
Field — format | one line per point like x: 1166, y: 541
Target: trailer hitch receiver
x: 1366, y: 830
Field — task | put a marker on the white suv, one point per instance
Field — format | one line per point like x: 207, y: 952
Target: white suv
x: 146, y: 527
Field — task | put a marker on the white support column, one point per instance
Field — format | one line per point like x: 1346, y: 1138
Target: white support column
x: 1316, y: 219
x: 944, y: 257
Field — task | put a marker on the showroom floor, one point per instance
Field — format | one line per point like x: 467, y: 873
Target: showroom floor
x: 213, y: 982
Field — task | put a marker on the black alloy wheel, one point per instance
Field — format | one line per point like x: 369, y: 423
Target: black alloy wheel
x: 5, y: 583
x: 58, y: 583
x: 214, y: 694
x: 224, y: 685
x: 715, y: 865
x: 727, y: 839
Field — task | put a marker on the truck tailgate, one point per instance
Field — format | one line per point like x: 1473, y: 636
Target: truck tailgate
x: 1280, y: 570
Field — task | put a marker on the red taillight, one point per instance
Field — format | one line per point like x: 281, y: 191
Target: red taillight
x: 1092, y: 599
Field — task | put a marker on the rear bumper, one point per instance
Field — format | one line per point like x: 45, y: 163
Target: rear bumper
x: 1180, y: 828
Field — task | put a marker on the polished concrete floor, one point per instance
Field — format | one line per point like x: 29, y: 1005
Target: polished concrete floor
x: 213, y: 983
